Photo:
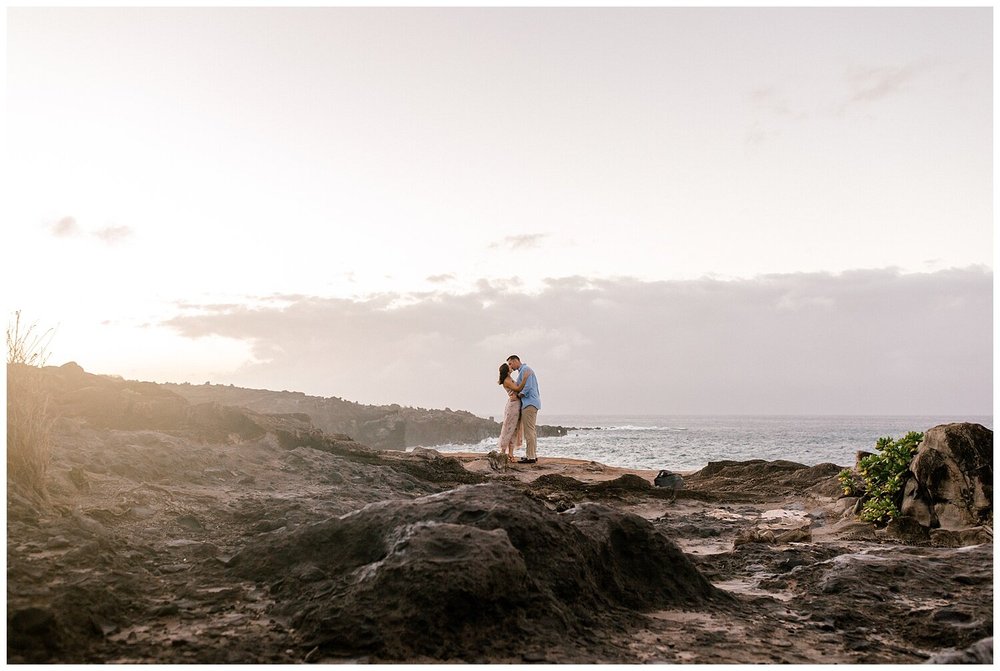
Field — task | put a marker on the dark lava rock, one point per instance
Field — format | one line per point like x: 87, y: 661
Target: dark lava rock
x: 477, y: 570
x: 900, y: 590
x: 624, y: 483
x: 557, y: 482
x: 952, y: 478
x: 961, y: 538
x: 908, y: 530
x: 980, y: 652
x: 764, y: 478
x: 31, y: 627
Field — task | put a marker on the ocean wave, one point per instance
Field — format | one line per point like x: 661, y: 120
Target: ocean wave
x: 691, y: 443
x: 629, y: 427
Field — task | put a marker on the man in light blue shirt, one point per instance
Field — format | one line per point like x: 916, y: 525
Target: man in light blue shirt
x: 531, y: 403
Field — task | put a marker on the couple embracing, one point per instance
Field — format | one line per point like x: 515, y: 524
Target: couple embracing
x: 521, y: 411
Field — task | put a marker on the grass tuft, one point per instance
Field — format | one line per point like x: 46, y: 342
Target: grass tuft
x: 29, y: 420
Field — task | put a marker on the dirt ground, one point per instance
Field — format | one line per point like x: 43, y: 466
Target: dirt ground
x: 131, y: 557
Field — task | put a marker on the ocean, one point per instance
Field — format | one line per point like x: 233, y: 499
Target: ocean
x: 688, y: 443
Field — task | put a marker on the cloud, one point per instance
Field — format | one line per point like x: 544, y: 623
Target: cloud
x: 286, y: 297
x: 113, y: 234
x: 518, y: 242
x: 770, y: 99
x: 869, y: 84
x: 769, y: 106
x: 861, y: 342
x: 440, y: 279
x: 65, y: 228
x: 865, y: 85
x: 756, y: 135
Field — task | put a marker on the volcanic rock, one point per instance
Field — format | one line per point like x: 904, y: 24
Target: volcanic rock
x: 951, y: 483
x: 104, y: 401
x: 387, y: 427
x: 382, y: 427
x: 778, y: 477
x: 27, y: 624
x: 464, y: 573
x: 235, y: 536
x: 980, y: 652
x: 908, y: 530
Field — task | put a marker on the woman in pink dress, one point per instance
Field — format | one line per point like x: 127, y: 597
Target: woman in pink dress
x: 510, y: 432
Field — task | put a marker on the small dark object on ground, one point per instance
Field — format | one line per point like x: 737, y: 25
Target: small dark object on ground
x: 669, y: 480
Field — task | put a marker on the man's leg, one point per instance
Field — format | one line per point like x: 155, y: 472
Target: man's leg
x: 528, y: 416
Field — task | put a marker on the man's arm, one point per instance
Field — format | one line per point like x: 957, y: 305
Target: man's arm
x: 522, y: 381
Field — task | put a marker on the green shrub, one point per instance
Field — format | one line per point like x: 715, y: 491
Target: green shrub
x: 880, y: 477
x: 850, y: 483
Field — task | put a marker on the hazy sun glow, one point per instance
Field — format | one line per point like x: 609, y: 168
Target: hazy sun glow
x: 265, y: 159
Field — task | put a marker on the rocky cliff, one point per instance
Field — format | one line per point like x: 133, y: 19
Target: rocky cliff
x: 111, y: 402
x: 391, y: 427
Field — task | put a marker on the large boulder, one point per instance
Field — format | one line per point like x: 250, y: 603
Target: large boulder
x: 473, y: 571
x: 951, y: 478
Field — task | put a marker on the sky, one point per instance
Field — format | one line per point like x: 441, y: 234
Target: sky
x: 662, y: 210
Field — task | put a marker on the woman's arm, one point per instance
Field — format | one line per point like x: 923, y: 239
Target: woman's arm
x: 509, y: 383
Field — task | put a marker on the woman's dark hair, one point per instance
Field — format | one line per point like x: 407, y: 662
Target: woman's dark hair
x: 504, y: 372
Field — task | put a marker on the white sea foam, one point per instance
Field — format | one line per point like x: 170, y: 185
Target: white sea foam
x: 632, y: 427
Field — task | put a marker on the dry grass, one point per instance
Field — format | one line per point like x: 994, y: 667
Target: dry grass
x: 29, y: 422
x: 25, y: 344
x: 29, y: 430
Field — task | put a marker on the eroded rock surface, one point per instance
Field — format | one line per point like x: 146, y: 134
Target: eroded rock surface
x: 756, y: 477
x: 980, y: 652
x: 951, y: 483
x: 465, y: 573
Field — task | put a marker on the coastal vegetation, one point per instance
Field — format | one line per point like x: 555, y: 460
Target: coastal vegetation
x: 29, y: 423
x: 880, y: 477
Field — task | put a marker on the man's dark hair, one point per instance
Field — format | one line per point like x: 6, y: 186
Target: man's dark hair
x: 513, y: 356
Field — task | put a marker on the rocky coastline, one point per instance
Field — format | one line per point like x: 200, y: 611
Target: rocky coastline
x: 384, y: 427
x: 178, y: 528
